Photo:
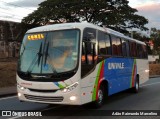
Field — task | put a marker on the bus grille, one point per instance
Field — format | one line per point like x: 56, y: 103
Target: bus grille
x: 42, y: 91
x: 41, y: 98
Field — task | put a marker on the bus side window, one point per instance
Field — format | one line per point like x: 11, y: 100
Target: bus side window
x: 108, y: 44
x: 101, y: 44
x: 124, y: 48
x: 139, y: 51
x: 89, y: 57
x: 116, y: 46
x: 144, y: 51
x: 88, y: 53
x: 133, y: 49
x: 128, y: 49
x: 104, y: 45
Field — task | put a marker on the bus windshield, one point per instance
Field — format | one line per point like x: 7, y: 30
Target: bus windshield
x: 49, y: 52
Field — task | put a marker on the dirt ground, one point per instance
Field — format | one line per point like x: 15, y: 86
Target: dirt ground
x: 8, y: 71
x: 154, y: 69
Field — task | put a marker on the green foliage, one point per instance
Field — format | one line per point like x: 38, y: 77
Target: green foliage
x: 139, y: 36
x: 155, y: 37
x: 116, y: 14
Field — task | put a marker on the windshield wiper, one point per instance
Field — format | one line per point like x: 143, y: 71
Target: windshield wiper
x: 39, y: 54
x: 48, y: 56
x: 34, y: 61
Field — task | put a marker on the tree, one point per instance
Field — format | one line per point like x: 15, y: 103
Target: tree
x: 116, y: 14
x: 155, y: 36
x: 140, y: 36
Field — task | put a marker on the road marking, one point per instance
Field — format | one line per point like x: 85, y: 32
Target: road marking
x: 51, y: 108
x: 7, y: 98
x: 150, y: 84
x: 14, y: 117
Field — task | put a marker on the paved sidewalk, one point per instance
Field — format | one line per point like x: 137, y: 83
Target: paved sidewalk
x: 8, y: 91
x: 154, y: 76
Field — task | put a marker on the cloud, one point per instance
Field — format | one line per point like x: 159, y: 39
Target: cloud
x: 151, y: 12
x: 27, y: 3
x: 137, y: 3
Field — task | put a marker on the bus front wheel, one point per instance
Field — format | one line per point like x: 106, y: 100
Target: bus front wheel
x: 100, y: 100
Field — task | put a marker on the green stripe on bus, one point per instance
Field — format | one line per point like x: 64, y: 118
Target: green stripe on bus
x: 60, y: 86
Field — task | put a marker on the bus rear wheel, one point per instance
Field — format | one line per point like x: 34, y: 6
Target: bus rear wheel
x: 135, y: 89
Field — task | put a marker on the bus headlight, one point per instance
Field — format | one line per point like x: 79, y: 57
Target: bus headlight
x: 70, y: 88
x: 146, y: 70
x: 21, y: 87
x: 73, y: 98
x: 19, y: 94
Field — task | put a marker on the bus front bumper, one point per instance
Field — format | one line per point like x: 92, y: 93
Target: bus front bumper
x: 57, y: 97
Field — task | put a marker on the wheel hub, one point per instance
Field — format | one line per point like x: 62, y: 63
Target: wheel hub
x: 100, y: 96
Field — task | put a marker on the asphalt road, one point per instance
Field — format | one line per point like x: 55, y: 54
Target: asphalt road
x: 148, y: 98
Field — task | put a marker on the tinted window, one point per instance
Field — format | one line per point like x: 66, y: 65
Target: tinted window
x: 125, y: 48
x: 101, y: 44
x: 116, y: 46
x: 108, y: 44
x: 144, y: 51
x: 132, y: 49
x: 89, y: 56
x: 104, y: 46
x: 139, y: 51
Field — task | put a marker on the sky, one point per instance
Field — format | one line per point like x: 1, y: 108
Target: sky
x: 15, y: 10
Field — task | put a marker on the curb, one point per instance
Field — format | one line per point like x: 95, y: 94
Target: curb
x: 8, y: 91
x: 7, y: 95
x: 154, y: 76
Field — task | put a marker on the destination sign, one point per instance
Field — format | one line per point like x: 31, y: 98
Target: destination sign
x: 35, y: 37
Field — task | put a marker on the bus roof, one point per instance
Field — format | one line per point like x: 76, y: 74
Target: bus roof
x: 81, y: 25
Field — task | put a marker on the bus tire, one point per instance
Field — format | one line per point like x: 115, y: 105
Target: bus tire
x: 135, y: 89
x: 101, y: 95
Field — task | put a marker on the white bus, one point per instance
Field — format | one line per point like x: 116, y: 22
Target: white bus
x: 78, y: 63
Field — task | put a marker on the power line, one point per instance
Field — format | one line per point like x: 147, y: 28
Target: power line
x: 13, y: 16
x: 9, y: 18
x: 10, y: 13
x: 15, y: 5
